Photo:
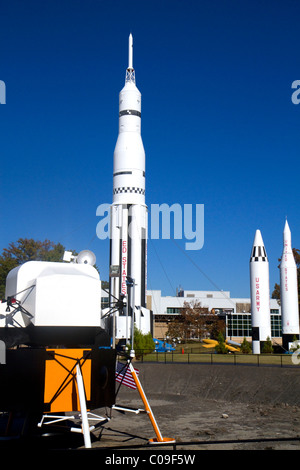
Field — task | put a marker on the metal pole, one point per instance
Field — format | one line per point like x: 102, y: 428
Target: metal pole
x: 146, y: 404
x: 83, y: 410
x: 133, y: 314
x: 114, y: 319
x: 128, y: 299
x: 126, y: 320
x: 159, y: 438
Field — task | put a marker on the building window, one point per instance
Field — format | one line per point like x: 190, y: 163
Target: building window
x: 240, y: 325
x: 276, y: 331
x: 174, y: 310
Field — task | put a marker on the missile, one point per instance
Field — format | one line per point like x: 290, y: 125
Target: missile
x: 260, y: 294
x: 288, y: 291
x: 129, y: 215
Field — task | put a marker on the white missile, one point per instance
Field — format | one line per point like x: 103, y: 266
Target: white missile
x: 288, y: 291
x: 260, y: 294
x: 128, y: 211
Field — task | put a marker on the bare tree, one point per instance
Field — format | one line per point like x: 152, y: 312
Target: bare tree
x: 194, y: 322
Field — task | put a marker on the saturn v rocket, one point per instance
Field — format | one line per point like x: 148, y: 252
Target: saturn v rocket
x: 129, y: 215
x: 288, y: 291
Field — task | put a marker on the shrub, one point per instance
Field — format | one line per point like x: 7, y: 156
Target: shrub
x: 245, y: 347
x: 221, y: 348
x: 142, y: 344
x: 267, y: 347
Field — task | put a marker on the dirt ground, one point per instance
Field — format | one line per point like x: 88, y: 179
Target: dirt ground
x: 209, y: 407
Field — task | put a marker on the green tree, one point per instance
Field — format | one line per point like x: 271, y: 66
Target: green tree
x: 142, y: 344
x: 221, y: 348
x: 245, y: 347
x: 267, y: 347
x: 24, y: 250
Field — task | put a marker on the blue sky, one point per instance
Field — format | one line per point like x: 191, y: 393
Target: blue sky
x: 218, y: 125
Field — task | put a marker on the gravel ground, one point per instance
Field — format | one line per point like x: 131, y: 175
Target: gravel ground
x: 202, y: 406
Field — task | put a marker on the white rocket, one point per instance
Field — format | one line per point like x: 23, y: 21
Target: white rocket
x: 260, y: 294
x: 288, y: 291
x: 128, y: 245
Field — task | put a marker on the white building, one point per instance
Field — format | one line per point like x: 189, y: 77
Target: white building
x: 235, y: 311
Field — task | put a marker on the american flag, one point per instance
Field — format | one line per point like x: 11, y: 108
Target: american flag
x: 124, y: 376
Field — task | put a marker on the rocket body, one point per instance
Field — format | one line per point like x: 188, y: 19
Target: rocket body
x: 260, y: 294
x: 129, y: 213
x: 288, y: 291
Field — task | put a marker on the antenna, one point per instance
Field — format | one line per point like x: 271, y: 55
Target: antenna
x: 86, y: 257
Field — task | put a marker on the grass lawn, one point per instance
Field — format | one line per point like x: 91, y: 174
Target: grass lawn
x: 196, y: 353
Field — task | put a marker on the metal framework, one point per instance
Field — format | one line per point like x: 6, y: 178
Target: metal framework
x: 84, y: 415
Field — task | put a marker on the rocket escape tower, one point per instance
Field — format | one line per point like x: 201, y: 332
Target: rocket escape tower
x: 128, y: 237
x: 130, y: 73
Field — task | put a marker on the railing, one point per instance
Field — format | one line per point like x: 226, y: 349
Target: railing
x: 279, y: 360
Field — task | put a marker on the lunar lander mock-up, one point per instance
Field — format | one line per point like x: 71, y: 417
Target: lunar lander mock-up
x: 57, y: 355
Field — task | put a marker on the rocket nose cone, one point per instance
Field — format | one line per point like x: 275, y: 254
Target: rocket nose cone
x: 286, y: 229
x: 258, y: 252
x: 287, y: 236
x: 258, y: 241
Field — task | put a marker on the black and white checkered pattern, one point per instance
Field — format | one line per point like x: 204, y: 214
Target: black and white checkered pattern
x: 259, y: 254
x: 128, y: 189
